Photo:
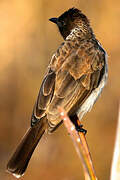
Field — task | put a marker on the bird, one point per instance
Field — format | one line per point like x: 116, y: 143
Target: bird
x: 74, y: 79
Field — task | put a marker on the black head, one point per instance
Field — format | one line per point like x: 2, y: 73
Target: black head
x: 69, y: 20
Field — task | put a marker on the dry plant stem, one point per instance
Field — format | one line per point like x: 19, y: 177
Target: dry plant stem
x: 115, y: 171
x: 81, y: 146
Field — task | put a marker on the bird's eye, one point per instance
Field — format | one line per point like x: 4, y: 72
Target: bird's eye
x: 63, y: 23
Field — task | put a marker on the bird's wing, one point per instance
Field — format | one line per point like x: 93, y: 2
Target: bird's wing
x: 44, y: 97
x: 72, y: 74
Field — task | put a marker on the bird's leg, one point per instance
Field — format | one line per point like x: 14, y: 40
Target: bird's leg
x: 78, y: 125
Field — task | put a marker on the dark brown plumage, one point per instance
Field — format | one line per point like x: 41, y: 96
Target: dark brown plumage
x: 75, y: 77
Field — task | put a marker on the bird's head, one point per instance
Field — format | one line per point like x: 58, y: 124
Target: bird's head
x: 71, y: 19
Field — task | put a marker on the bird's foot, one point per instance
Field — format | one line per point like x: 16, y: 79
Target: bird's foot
x: 80, y: 128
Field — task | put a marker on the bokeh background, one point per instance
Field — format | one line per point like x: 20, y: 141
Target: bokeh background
x: 27, y: 42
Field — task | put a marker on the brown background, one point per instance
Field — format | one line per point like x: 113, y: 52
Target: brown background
x: 27, y: 42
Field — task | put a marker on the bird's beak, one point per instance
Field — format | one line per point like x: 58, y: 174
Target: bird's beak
x: 54, y: 20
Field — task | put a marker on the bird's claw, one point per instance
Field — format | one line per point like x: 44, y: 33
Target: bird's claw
x: 81, y: 129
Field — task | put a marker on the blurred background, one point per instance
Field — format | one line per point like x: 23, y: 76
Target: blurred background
x: 27, y: 42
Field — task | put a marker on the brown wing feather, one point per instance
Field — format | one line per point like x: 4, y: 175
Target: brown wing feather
x: 74, y: 74
x: 76, y: 77
x: 44, y: 97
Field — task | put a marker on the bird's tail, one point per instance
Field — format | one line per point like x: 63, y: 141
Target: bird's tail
x: 20, y: 159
